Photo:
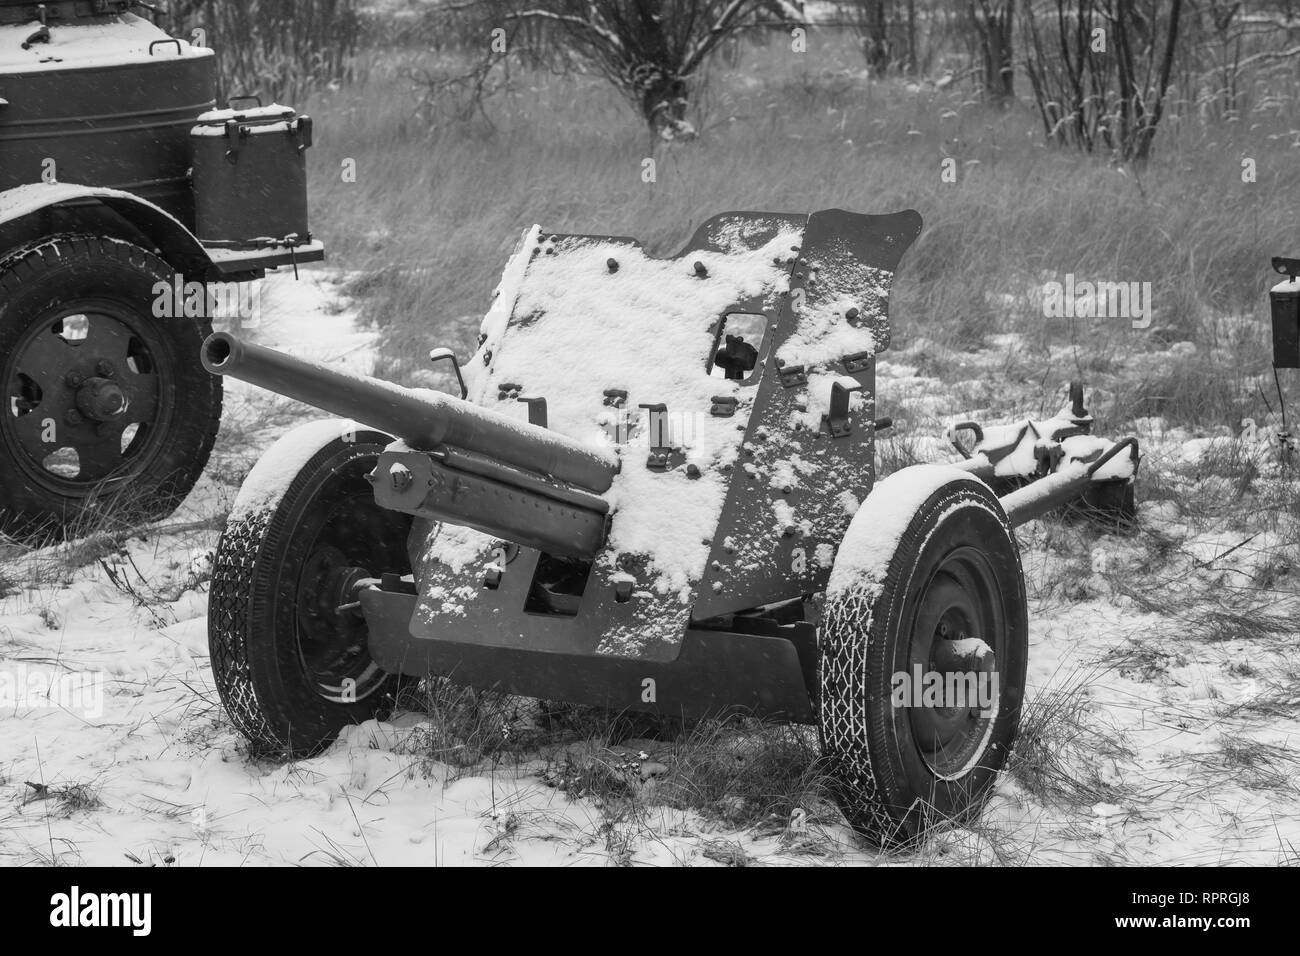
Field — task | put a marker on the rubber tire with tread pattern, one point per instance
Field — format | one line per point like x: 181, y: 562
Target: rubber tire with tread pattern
x: 883, y: 784
x: 253, y: 608
x: 38, y: 279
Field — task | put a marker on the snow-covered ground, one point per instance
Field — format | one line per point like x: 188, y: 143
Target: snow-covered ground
x: 1170, y: 658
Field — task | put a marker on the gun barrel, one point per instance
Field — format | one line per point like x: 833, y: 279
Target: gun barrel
x: 424, y: 420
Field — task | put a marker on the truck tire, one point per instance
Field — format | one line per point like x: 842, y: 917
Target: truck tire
x: 105, y: 406
x: 292, y: 670
x: 928, y: 581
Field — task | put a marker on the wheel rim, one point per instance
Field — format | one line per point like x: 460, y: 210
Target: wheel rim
x: 83, y: 397
x: 346, y: 540
x: 959, y: 635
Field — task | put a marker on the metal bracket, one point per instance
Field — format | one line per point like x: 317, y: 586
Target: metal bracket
x: 40, y: 36
x: 234, y: 133
x: 1078, y: 411
x: 957, y: 427
x: 724, y: 406
x: 306, y: 129
x: 653, y: 409
x: 180, y: 51
x: 536, y: 410
x: 443, y: 354
x: 1048, y: 454
x: 792, y: 375
x: 837, y: 419
x: 394, y: 583
x: 662, y: 455
x: 858, y: 361
x: 1134, y: 453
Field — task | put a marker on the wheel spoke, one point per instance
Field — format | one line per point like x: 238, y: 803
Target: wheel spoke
x: 101, y: 458
x: 54, y: 404
x: 106, y: 339
x: 145, y: 381
x: 33, y: 429
x: 143, y: 407
x: 45, y: 360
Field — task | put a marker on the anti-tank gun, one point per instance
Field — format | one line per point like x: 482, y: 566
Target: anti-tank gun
x: 685, y: 519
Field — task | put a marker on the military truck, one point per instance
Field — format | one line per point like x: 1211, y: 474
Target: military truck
x: 122, y: 184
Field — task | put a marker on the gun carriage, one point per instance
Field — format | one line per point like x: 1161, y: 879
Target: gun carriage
x: 656, y: 493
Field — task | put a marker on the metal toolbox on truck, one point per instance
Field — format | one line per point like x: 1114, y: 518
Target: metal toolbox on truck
x: 250, y: 177
x: 98, y: 111
x: 72, y: 115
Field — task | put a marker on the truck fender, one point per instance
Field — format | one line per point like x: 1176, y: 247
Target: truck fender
x: 25, y: 212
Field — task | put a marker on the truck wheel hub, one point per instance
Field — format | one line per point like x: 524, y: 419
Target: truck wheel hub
x: 101, y: 400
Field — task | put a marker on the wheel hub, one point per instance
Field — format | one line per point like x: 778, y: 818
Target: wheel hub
x: 965, y: 661
x: 331, y: 637
x: 101, y: 400
x: 959, y: 662
x: 949, y: 645
x: 82, y: 398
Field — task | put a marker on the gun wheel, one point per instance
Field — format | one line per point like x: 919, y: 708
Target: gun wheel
x: 923, y: 654
x: 288, y: 641
x: 102, y: 402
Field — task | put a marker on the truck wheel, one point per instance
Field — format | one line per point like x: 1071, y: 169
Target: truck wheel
x: 101, y: 400
x: 927, y: 589
x: 291, y: 668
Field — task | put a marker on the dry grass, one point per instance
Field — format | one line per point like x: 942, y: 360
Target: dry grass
x: 1062, y: 751
x: 468, y: 729
x: 434, y: 212
x: 1252, y: 765
x: 739, y: 774
x: 1278, y: 698
x: 63, y: 800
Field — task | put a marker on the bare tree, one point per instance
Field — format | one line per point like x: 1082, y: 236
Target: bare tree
x: 888, y: 31
x: 1101, y: 70
x: 652, y: 51
x: 874, y: 19
x: 993, y: 22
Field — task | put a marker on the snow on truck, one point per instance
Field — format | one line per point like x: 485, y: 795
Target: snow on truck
x: 656, y: 493
x: 120, y: 178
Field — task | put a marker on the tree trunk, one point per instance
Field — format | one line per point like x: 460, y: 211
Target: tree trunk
x: 663, y: 104
x: 993, y: 21
x: 912, y: 66
x: 1148, y: 131
x: 877, y: 39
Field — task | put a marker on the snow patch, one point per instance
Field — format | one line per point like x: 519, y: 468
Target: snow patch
x: 115, y: 41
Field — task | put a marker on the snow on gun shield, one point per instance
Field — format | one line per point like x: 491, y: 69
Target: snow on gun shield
x: 121, y: 183
x: 654, y: 494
